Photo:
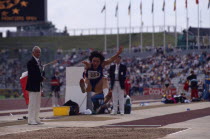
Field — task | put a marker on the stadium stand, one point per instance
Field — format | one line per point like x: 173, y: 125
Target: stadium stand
x: 13, y: 63
x: 149, y: 69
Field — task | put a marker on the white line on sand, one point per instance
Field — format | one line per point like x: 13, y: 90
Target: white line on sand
x: 179, y: 131
x: 135, y: 125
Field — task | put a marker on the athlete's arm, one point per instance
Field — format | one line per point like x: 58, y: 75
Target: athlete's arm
x: 112, y: 59
x: 87, y: 65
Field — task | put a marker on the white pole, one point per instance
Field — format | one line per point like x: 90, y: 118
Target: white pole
x: 130, y: 29
x: 187, y: 23
x: 164, y: 37
x: 153, y: 29
x: 209, y: 31
x: 141, y: 43
x: 201, y: 18
x: 198, y: 29
x: 175, y: 28
x: 117, y: 27
x: 141, y: 34
x: 105, y: 39
x: 201, y: 27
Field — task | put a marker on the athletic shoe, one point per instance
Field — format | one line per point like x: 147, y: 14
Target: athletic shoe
x: 33, y: 123
x: 113, y: 112
x: 40, y: 123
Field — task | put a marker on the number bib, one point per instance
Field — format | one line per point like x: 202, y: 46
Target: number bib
x: 93, y: 74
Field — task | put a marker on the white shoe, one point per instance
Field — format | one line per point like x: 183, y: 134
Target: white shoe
x: 32, y: 123
x: 122, y: 113
x: 113, y: 112
x: 39, y: 122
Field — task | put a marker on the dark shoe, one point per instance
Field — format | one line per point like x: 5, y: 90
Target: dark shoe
x: 40, y: 123
x: 24, y: 117
x: 82, y: 85
x: 93, y: 112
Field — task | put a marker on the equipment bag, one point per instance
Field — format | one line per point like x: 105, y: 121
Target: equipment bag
x: 74, y: 107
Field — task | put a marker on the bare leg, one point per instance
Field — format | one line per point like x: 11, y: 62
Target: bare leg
x: 89, y: 87
x: 83, y: 86
x: 99, y: 87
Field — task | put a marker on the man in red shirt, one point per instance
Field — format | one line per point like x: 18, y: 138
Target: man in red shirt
x: 127, y: 85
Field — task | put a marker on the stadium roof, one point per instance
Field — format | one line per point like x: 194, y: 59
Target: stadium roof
x: 203, y: 31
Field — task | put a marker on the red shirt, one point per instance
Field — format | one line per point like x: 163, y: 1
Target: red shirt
x: 127, y: 86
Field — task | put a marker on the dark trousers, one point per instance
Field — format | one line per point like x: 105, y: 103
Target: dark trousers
x: 97, y: 100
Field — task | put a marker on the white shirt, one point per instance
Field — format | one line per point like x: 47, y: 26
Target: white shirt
x: 37, y: 60
x: 116, y: 71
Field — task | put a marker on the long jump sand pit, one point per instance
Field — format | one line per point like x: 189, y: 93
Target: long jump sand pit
x: 91, y: 133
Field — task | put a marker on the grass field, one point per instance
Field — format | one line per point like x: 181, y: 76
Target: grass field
x: 83, y: 42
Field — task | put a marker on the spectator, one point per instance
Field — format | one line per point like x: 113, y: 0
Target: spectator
x: 127, y: 85
x: 55, y: 88
x: 193, y: 85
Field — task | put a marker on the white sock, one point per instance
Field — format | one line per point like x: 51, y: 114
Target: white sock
x: 106, y: 91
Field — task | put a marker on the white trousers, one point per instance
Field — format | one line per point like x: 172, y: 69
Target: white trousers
x: 118, y: 96
x: 55, y: 99
x: 34, y: 107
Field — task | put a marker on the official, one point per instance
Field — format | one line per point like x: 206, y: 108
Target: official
x: 35, y: 78
x: 117, y: 73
